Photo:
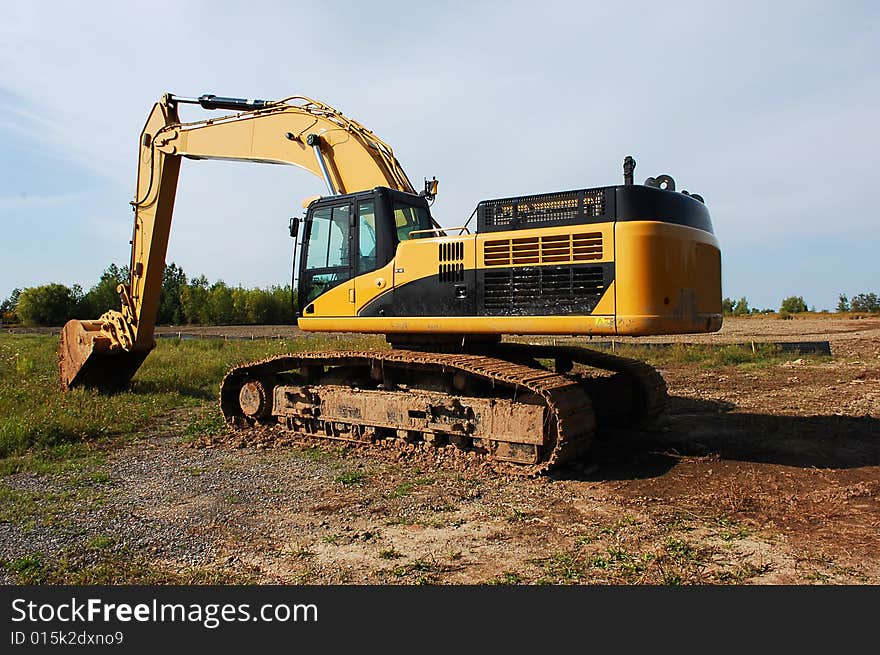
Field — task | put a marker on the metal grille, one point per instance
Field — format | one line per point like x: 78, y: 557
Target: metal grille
x: 557, y: 248
x: 542, y: 290
x: 451, y: 272
x: 544, y: 209
x: 452, y: 252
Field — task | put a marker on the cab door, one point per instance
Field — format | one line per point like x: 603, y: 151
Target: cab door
x: 326, y: 286
x: 371, y: 279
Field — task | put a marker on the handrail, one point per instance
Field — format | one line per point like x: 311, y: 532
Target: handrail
x: 462, y: 231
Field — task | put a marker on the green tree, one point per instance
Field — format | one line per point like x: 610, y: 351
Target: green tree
x: 50, y: 304
x: 170, y: 309
x: 793, y: 305
x: 220, y: 304
x: 8, y: 307
x: 727, y: 306
x: 865, y: 302
x: 270, y: 306
x: 194, y: 301
x: 103, y: 295
x: 259, y: 307
x: 842, y: 303
x: 282, y: 299
x: 741, y: 308
x: 80, y: 308
x: 239, y: 306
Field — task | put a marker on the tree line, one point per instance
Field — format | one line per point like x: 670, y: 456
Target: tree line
x: 867, y: 303
x: 863, y: 302
x: 182, y: 301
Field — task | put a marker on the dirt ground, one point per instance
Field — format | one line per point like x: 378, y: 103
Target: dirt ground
x: 759, y: 475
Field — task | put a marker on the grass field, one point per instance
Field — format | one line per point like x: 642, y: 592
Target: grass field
x: 106, y: 489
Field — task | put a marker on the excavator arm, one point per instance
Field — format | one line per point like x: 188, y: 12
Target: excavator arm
x: 298, y: 131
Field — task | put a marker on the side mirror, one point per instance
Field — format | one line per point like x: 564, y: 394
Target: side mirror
x: 430, y: 188
x: 294, y: 226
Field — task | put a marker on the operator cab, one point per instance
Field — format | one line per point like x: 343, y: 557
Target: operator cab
x: 348, y: 235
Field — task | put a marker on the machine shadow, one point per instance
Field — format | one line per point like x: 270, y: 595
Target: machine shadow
x: 698, y: 428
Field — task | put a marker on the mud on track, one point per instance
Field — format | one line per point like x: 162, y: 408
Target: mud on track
x: 759, y: 475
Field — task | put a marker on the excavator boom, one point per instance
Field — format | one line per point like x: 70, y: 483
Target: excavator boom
x: 297, y: 131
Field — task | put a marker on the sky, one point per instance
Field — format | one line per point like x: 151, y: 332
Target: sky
x: 767, y: 110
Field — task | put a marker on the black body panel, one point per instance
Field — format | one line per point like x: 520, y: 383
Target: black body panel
x: 508, y: 291
x: 645, y: 203
x: 542, y: 290
x: 586, y: 206
x: 427, y: 296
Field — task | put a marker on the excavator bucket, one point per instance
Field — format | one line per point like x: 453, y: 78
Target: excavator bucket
x: 85, y: 358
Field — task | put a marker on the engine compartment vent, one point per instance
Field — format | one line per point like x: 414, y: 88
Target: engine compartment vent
x: 543, y: 290
x: 451, y: 256
x: 543, y: 249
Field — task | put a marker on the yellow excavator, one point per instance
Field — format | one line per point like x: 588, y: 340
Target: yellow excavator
x: 628, y: 259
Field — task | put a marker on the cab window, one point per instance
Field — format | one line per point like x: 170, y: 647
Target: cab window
x: 408, y: 219
x: 366, y: 236
x: 328, y: 258
x: 321, y: 282
x: 328, y: 238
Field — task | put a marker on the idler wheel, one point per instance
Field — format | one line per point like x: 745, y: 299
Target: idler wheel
x: 254, y: 399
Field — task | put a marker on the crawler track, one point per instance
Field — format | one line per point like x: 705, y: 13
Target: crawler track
x: 503, y: 405
x: 634, y: 396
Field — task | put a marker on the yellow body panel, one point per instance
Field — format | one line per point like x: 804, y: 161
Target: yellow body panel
x: 667, y: 281
x: 373, y: 284
x: 605, y: 306
x: 351, y: 295
x: 595, y: 325
x: 419, y: 258
x: 336, y: 302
